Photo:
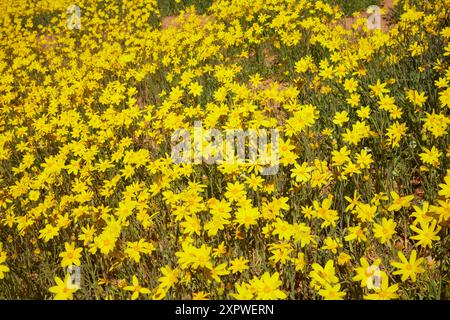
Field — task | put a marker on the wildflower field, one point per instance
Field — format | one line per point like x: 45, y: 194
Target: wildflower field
x: 93, y: 205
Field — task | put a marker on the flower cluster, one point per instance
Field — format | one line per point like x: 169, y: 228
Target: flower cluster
x: 360, y: 204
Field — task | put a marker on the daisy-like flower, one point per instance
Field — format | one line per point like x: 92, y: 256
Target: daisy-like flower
x: 408, y: 269
x: 136, y: 288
